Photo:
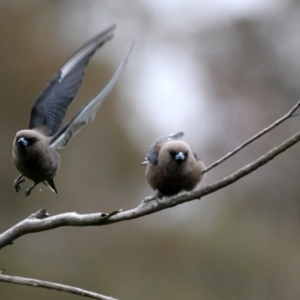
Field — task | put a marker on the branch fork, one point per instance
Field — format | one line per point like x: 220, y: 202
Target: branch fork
x: 41, y: 220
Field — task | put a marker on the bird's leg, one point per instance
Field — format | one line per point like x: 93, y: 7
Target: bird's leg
x: 157, y: 196
x: 18, y: 181
x: 28, y: 190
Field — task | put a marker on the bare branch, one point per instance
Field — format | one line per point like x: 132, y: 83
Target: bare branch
x: 289, y: 115
x: 52, y: 286
x: 41, y: 220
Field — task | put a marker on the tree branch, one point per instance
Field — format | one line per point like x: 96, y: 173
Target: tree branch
x: 52, y: 286
x: 289, y: 115
x: 41, y: 220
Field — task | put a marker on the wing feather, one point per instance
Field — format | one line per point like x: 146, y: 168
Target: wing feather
x: 51, y: 105
x: 88, y: 112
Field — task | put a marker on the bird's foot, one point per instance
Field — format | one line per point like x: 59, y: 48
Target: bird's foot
x: 17, y: 183
x: 157, y: 196
x: 28, y: 190
x: 148, y: 199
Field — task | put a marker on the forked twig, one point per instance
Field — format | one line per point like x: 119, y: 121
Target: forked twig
x: 41, y: 220
x: 36, y: 224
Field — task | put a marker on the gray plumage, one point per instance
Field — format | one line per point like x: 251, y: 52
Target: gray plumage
x: 172, y: 166
x: 34, y: 149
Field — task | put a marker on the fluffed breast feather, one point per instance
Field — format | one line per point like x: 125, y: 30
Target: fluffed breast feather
x: 172, y: 166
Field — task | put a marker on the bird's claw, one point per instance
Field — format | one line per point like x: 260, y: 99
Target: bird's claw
x: 17, y: 183
x: 28, y: 191
x: 156, y: 197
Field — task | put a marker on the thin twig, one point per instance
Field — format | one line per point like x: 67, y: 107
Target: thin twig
x: 33, y: 224
x: 290, y: 114
x: 52, y: 286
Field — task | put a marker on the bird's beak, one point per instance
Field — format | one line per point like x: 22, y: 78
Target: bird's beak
x: 180, y: 156
x: 22, y: 142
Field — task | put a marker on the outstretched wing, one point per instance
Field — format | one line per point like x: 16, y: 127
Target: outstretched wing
x: 51, y: 105
x: 88, y: 112
x: 152, y: 153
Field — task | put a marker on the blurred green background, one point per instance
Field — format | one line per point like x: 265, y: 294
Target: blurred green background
x: 218, y: 70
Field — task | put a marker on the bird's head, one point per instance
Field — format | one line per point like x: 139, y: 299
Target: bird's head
x: 29, y: 141
x: 174, y: 153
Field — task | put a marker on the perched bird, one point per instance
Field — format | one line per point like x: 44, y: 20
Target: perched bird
x: 172, y: 166
x: 34, y: 149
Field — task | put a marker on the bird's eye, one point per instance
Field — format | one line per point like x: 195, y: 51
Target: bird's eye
x: 32, y: 140
x: 173, y: 153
